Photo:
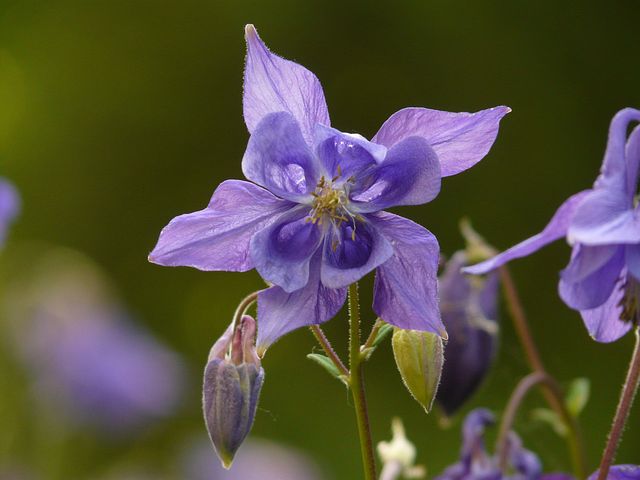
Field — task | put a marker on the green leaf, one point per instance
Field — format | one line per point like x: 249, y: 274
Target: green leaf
x: 578, y: 395
x: 551, y: 418
x: 328, y: 365
x: 383, y: 333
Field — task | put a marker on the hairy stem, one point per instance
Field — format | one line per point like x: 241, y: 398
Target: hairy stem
x: 328, y: 349
x: 627, y: 396
x: 374, y: 333
x: 515, y: 401
x: 243, y: 306
x: 356, y: 382
x: 553, y: 396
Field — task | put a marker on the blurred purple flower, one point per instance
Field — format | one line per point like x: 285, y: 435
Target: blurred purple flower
x: 87, y: 355
x: 469, y: 307
x: 260, y: 460
x: 9, y: 207
x: 616, y: 472
x: 233, y: 379
x: 312, y: 221
x: 602, y: 279
x: 476, y: 464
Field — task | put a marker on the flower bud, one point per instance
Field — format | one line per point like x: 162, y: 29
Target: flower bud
x: 233, y: 379
x: 419, y: 357
x: 469, y: 309
x: 398, y: 456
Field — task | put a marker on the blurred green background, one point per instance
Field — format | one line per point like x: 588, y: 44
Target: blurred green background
x: 116, y: 116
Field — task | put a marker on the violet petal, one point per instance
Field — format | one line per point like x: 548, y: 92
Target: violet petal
x: 278, y: 158
x: 406, y: 285
x: 459, y: 139
x: 273, y: 84
x: 280, y: 312
x: 409, y: 175
x: 591, y: 275
x: 217, y: 238
x: 555, y: 229
x: 282, y: 252
x: 603, y: 323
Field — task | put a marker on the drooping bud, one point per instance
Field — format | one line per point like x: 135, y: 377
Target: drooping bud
x: 398, y: 455
x: 233, y: 379
x: 469, y: 307
x: 419, y: 357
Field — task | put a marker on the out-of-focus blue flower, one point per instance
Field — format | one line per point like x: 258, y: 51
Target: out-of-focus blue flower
x: 616, y: 472
x: 233, y: 379
x: 313, y: 221
x: 9, y: 207
x: 469, y: 308
x: 602, y: 224
x: 87, y: 357
x: 476, y: 464
x: 260, y: 460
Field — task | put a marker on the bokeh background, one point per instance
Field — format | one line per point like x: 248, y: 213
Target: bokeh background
x: 116, y: 116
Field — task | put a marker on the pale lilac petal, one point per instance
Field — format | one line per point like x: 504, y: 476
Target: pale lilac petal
x: 345, y: 156
x: 459, y: 139
x: 603, y: 323
x: 352, y: 250
x: 406, y: 285
x: 620, y: 472
x: 283, y: 251
x: 613, y: 175
x: 554, y: 230
x: 409, y: 175
x: 280, y: 312
x: 632, y: 154
x: 607, y: 215
x: 217, y: 238
x: 632, y: 260
x: 601, y: 220
x: 273, y: 84
x: 591, y: 275
x: 278, y: 158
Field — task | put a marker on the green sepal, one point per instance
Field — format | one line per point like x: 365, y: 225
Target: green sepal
x: 551, y: 418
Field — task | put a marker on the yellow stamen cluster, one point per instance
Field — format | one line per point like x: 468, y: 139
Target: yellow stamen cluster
x: 330, y: 203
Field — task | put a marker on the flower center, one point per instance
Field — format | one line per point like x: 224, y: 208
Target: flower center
x: 629, y: 302
x: 330, y: 201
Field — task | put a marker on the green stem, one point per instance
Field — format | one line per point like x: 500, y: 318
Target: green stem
x: 374, y: 333
x: 622, y: 412
x: 356, y: 382
x: 553, y: 396
x: 328, y: 349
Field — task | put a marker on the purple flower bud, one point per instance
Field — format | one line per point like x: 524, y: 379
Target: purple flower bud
x: 233, y: 379
x: 469, y: 309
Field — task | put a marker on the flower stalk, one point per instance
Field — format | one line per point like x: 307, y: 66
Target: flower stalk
x: 550, y: 389
x: 328, y: 349
x: 522, y: 389
x: 356, y: 382
x: 627, y: 396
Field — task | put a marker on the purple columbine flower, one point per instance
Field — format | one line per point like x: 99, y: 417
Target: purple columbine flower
x: 602, y: 224
x: 476, y: 464
x: 311, y: 222
x: 469, y: 307
x: 9, y: 207
x: 89, y: 361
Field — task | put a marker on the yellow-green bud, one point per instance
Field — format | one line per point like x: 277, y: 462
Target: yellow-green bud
x: 419, y: 357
